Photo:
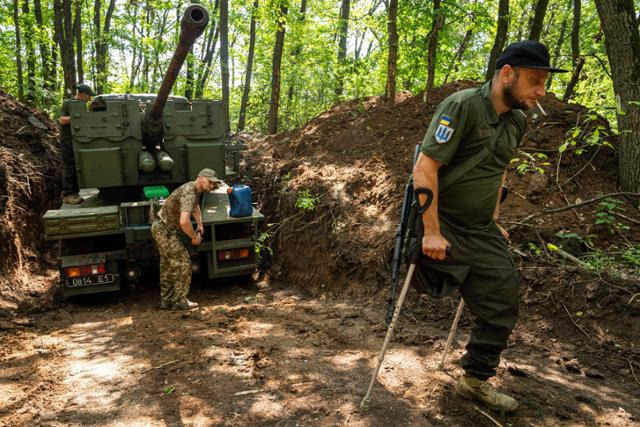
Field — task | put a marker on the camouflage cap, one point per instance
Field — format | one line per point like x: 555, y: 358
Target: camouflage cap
x: 210, y: 174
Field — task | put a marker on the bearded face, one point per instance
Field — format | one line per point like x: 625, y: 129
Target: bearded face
x: 511, y: 95
x: 523, y: 87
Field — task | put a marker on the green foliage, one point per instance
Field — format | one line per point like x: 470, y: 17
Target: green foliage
x: 606, y: 214
x: 530, y: 162
x: 534, y: 249
x: 306, y: 201
x: 632, y: 256
x: 581, y: 137
x: 263, y: 244
x: 144, y: 33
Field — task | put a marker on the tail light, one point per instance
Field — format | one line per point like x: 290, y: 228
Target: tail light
x: 85, y: 270
x: 230, y: 254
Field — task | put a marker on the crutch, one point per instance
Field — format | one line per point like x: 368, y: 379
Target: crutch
x: 415, y: 257
x: 452, y: 333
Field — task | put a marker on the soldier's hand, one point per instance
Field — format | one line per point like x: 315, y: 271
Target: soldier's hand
x: 504, y: 232
x: 435, y: 246
x: 196, y: 240
x: 200, y: 230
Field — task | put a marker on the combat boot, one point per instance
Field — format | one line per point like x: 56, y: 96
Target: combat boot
x: 482, y: 391
x: 165, y: 305
x: 185, y: 305
x: 72, y: 199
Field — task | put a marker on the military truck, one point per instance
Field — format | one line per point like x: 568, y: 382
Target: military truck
x: 130, y: 152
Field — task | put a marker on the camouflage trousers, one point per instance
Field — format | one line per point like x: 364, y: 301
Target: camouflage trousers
x: 175, y: 264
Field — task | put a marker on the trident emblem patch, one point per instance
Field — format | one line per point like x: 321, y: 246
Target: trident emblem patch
x: 443, y: 132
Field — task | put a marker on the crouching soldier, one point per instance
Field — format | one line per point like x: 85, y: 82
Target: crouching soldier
x: 174, y: 217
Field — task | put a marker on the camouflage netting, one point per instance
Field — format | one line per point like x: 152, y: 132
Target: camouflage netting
x: 30, y: 182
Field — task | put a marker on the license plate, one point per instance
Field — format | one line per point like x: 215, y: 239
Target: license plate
x: 100, y: 279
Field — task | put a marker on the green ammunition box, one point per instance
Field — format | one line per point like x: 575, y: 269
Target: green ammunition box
x: 81, y: 220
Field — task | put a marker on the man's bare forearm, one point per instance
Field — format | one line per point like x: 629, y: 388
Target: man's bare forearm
x: 425, y: 175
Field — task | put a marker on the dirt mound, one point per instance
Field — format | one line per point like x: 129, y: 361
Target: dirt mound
x: 30, y: 181
x: 351, y: 164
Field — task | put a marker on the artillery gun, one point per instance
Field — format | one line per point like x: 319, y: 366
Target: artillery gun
x: 130, y: 151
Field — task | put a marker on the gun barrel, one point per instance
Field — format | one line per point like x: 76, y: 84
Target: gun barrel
x: 192, y: 25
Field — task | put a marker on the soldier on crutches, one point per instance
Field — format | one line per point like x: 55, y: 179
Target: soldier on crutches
x: 471, y: 140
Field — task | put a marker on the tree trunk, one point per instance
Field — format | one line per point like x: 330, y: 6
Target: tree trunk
x: 188, y: 87
x: 501, y: 37
x: 392, y: 30
x: 101, y: 42
x: 248, y: 72
x: 224, y: 61
x: 575, y: 32
x: 64, y: 31
x: 538, y: 20
x: 16, y: 23
x: 455, y: 62
x: 432, y: 49
x: 295, y: 54
x: 43, y: 44
x: 274, y: 104
x: 577, y: 69
x: 556, y: 53
x: 204, y: 69
x: 77, y: 28
x: 618, y: 20
x: 343, y: 33
x: 30, y: 93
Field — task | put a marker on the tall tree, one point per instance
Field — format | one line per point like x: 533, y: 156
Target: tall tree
x: 343, y: 34
x: 297, y: 50
x: 16, y: 23
x: 249, y: 70
x: 208, y: 52
x: 392, y: 30
x: 30, y: 95
x: 455, y: 61
x: 556, y: 52
x: 538, y: 19
x: 101, y: 36
x: 224, y: 61
x: 274, y: 103
x: 622, y: 39
x: 575, y: 32
x: 501, y: 37
x: 432, y: 48
x: 575, y: 76
x: 45, y: 54
x: 63, y: 30
x: 77, y: 29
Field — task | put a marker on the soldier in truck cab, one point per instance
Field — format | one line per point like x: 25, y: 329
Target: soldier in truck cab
x: 175, y: 217
x: 70, y: 188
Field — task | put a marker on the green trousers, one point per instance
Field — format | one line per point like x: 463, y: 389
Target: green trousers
x: 481, y: 268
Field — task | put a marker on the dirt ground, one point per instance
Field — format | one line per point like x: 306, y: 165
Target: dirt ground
x: 268, y: 356
x: 298, y: 347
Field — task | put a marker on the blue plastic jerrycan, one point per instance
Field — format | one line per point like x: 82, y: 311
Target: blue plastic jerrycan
x: 240, y: 201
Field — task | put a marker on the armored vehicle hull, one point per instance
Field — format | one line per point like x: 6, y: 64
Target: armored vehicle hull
x: 130, y: 151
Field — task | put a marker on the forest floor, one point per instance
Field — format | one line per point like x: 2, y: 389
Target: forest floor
x: 299, y: 345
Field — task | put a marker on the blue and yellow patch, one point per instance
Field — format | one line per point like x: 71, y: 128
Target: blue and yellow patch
x: 443, y: 132
x: 445, y: 120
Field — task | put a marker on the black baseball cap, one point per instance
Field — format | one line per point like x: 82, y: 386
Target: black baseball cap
x: 527, y: 54
x: 84, y: 88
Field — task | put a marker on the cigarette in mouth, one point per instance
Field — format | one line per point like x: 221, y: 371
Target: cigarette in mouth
x: 540, y: 107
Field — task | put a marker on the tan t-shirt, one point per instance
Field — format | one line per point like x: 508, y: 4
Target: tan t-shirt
x: 183, y: 199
